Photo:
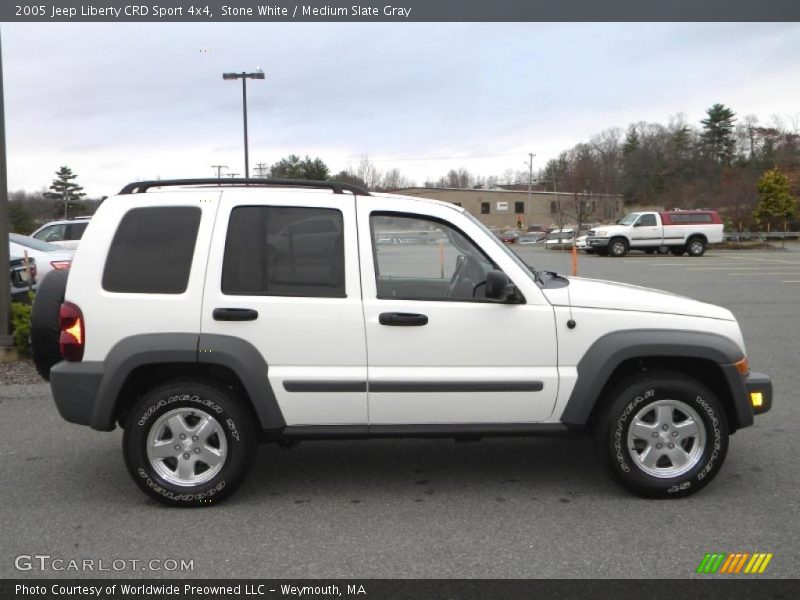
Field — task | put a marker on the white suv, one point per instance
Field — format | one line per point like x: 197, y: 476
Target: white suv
x: 279, y: 317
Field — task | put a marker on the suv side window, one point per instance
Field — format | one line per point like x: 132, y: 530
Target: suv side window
x: 647, y: 221
x: 152, y: 250
x: 420, y: 258
x: 54, y: 233
x: 75, y: 230
x: 284, y: 251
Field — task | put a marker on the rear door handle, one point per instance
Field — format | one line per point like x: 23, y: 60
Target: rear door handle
x: 235, y: 314
x: 403, y: 319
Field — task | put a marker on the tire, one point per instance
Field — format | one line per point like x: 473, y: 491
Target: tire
x: 696, y: 246
x: 45, y: 322
x: 678, y: 251
x: 187, y: 404
x: 617, y: 247
x: 663, y: 249
x: 637, y: 406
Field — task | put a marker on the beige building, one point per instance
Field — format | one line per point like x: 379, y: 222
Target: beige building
x: 507, y: 208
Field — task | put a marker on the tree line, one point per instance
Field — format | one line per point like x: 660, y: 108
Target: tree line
x: 747, y: 169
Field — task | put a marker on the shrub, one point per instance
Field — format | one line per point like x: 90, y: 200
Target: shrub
x: 21, y: 325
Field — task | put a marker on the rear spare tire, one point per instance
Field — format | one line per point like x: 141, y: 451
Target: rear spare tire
x: 45, y: 324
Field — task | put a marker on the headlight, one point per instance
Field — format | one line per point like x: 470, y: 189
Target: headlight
x: 601, y: 233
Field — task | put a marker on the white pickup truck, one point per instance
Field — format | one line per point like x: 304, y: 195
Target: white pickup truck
x: 680, y: 232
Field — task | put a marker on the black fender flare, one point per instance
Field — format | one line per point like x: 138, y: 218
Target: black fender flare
x: 170, y: 348
x: 612, y: 349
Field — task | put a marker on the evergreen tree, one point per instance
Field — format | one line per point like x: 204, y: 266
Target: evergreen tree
x: 718, y: 138
x: 292, y: 167
x: 65, y: 192
x: 776, y: 204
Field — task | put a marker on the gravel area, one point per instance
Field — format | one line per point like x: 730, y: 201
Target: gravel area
x: 20, y: 372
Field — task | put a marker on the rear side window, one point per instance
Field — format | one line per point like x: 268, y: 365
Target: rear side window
x: 691, y: 218
x: 152, y: 250
x: 284, y: 251
x: 75, y: 230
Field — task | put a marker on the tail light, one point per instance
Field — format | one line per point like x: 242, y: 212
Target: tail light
x: 60, y: 264
x: 73, y: 336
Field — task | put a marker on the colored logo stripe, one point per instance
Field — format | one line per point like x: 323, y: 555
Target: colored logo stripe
x: 721, y: 562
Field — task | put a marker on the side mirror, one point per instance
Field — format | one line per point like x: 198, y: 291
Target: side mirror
x: 499, y: 287
x: 637, y: 224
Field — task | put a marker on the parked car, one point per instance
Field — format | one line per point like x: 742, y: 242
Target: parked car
x: 582, y: 246
x: 66, y: 234
x: 509, y: 236
x: 560, y: 239
x: 198, y: 360
x: 48, y: 256
x: 532, y: 238
x: 536, y: 229
x: 19, y: 277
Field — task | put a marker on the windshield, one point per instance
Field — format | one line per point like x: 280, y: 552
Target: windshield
x: 629, y: 219
x: 525, y: 267
x: 33, y: 243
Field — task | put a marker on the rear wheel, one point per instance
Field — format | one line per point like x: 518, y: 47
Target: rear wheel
x: 188, y: 443
x: 696, y: 246
x: 618, y: 247
x: 663, y: 435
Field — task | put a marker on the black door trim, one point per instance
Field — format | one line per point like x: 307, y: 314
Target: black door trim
x: 413, y: 386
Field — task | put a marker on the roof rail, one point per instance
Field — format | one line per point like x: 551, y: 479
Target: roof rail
x: 139, y: 187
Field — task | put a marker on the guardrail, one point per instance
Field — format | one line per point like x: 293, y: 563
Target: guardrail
x: 759, y: 236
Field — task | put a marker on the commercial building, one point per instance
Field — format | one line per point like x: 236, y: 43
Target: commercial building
x: 510, y: 208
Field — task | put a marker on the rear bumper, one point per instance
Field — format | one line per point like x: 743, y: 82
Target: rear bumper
x: 759, y: 392
x: 75, y: 386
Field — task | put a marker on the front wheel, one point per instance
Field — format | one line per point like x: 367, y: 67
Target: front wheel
x: 188, y: 443
x: 663, y: 435
x: 618, y: 247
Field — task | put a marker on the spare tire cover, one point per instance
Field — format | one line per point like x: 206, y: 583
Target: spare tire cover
x: 45, y: 323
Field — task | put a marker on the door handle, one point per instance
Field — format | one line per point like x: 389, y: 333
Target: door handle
x: 403, y: 319
x: 235, y: 314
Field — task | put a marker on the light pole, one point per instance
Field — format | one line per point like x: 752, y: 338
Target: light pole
x: 6, y: 341
x: 259, y: 74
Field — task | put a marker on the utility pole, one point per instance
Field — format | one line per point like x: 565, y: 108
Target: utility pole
x: 261, y: 168
x: 219, y: 169
x: 6, y: 341
x: 530, y: 176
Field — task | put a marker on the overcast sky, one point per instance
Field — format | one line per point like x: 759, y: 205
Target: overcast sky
x: 121, y: 102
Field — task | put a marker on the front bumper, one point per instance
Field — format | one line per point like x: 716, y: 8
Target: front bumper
x: 759, y: 392
x: 597, y: 242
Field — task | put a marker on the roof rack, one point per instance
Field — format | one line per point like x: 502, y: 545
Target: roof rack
x: 139, y: 187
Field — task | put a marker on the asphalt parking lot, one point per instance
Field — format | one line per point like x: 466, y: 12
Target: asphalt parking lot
x: 514, y: 508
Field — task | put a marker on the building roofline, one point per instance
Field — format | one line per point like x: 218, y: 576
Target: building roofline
x: 494, y: 191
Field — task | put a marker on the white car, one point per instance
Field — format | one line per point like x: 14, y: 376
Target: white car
x: 65, y: 233
x: 48, y: 256
x: 237, y: 340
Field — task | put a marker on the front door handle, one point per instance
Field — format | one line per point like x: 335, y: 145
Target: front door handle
x: 403, y: 319
x: 235, y: 314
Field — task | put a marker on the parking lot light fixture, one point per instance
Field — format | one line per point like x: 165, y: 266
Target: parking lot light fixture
x: 244, y: 76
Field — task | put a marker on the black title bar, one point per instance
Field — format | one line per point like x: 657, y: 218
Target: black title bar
x: 203, y: 11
